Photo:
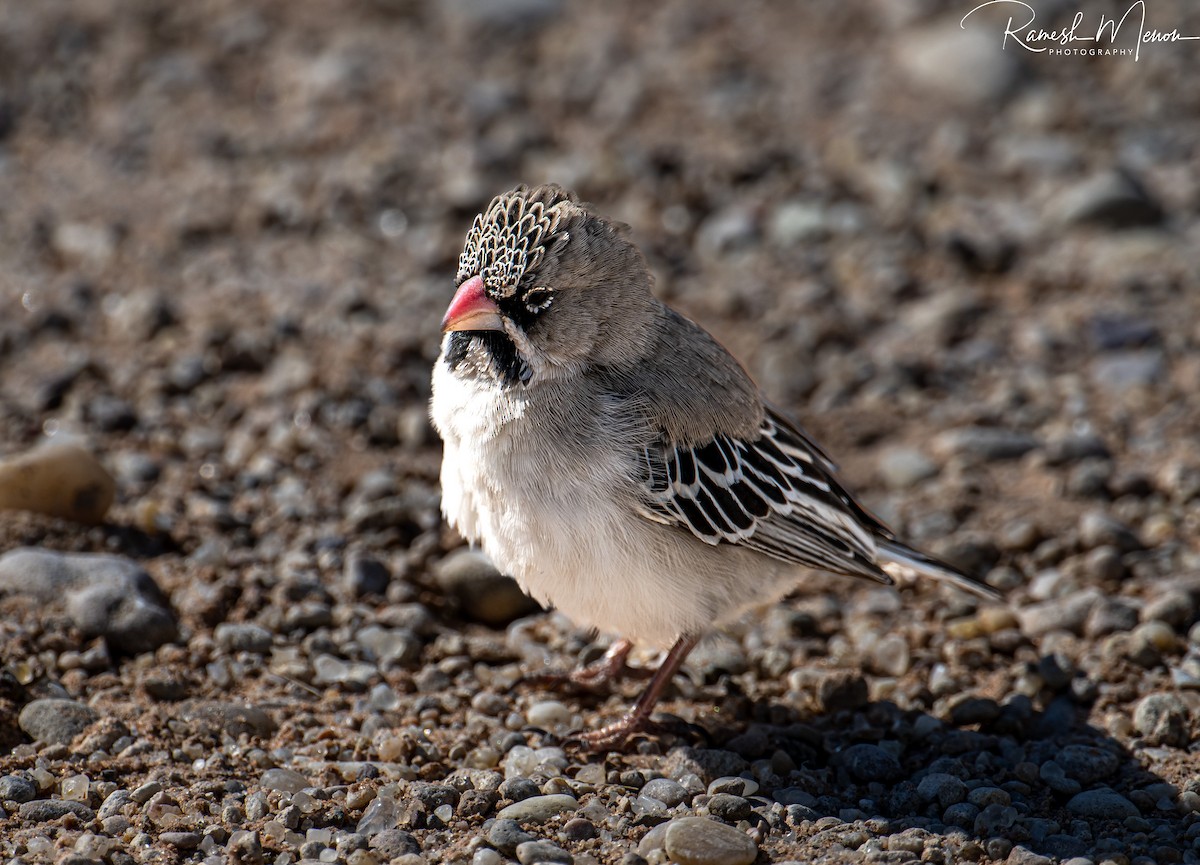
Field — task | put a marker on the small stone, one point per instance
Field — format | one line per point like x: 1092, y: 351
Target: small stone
x: 243, y: 637
x: 579, y: 829
x: 890, y: 656
x: 393, y: 843
x: 283, y: 780
x: 670, y: 793
x: 109, y: 596
x: 45, y: 810
x: 531, y: 852
x: 14, y: 788
x: 729, y: 807
x: 539, y: 809
x: 1121, y: 371
x: 505, y: 835
x: 902, y: 468
x: 1113, y: 200
x: 53, y: 720
x: 365, y: 575
x: 1175, y: 608
x: 985, y: 444
x: 233, y: 718
x: 699, y: 841
x: 871, y: 763
x: 1056, y: 779
x: 1087, y: 764
x: 994, y: 819
x: 1162, y: 719
x: 1110, y: 616
x: 1096, y: 528
x: 1023, y: 856
x: 548, y: 715
x: 483, y: 592
x: 959, y: 63
x: 942, y: 788
x: 1102, y: 804
x: 58, y: 480
x: 1069, y: 613
x: 382, y: 814
x: 182, y: 840
x: 705, y: 763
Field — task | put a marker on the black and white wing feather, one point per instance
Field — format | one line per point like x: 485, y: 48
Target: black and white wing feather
x: 775, y: 494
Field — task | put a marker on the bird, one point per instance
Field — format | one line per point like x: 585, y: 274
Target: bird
x: 616, y: 460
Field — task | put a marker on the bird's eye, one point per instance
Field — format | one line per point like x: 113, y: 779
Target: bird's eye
x: 538, y: 299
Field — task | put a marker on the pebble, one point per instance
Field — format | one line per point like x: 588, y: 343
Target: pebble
x: 706, y: 764
x: 942, y: 788
x: 58, y: 480
x: 670, y: 793
x: 902, y: 468
x: 539, y: 809
x: 243, y: 637
x: 1068, y: 613
x: 1110, y: 616
x: 548, y: 715
x: 871, y: 763
x: 365, y: 575
x: 14, y: 788
x: 530, y: 852
x: 483, y: 593
x: 1056, y: 779
x: 506, y: 834
x: 45, y: 810
x: 729, y: 807
x: 382, y: 814
x: 957, y: 63
x: 56, y: 720
x: 1102, y: 804
x: 699, y: 841
x: 393, y: 843
x: 1162, y: 719
x: 986, y: 444
x: 1122, y: 371
x: 1111, y: 199
x: 1087, y: 764
x: 103, y: 595
x: 283, y: 780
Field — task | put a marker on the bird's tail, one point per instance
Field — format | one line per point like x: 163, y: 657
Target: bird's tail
x: 896, y: 554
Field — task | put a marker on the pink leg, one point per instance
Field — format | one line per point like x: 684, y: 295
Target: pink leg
x: 594, y: 675
x: 637, y: 719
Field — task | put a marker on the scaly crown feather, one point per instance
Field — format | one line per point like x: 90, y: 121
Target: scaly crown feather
x: 510, y: 238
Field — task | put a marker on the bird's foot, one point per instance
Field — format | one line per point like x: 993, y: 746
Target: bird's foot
x: 620, y: 735
x: 592, y: 677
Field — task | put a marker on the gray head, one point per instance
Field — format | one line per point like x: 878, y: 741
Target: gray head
x: 539, y: 279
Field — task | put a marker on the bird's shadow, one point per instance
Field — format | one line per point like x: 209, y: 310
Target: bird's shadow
x: 1034, y: 763
x: 920, y: 772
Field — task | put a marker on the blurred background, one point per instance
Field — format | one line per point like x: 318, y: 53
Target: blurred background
x: 222, y: 216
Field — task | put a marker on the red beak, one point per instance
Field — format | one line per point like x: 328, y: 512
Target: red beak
x: 472, y: 309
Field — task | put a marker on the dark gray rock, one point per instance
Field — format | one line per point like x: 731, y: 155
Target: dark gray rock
x: 483, y: 593
x: 505, y: 835
x: 532, y: 852
x: 14, y: 788
x: 867, y: 762
x: 1113, y: 199
x: 45, y: 810
x: 705, y: 763
x: 107, y: 596
x: 56, y: 720
x: 1102, y: 804
x: 365, y: 575
x: 392, y: 843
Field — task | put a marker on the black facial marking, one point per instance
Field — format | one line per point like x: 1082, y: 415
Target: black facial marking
x: 501, y: 353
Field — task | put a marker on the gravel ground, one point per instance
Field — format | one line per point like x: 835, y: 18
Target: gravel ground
x: 233, y: 628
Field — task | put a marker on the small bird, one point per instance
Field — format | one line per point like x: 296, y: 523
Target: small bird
x: 615, y: 459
